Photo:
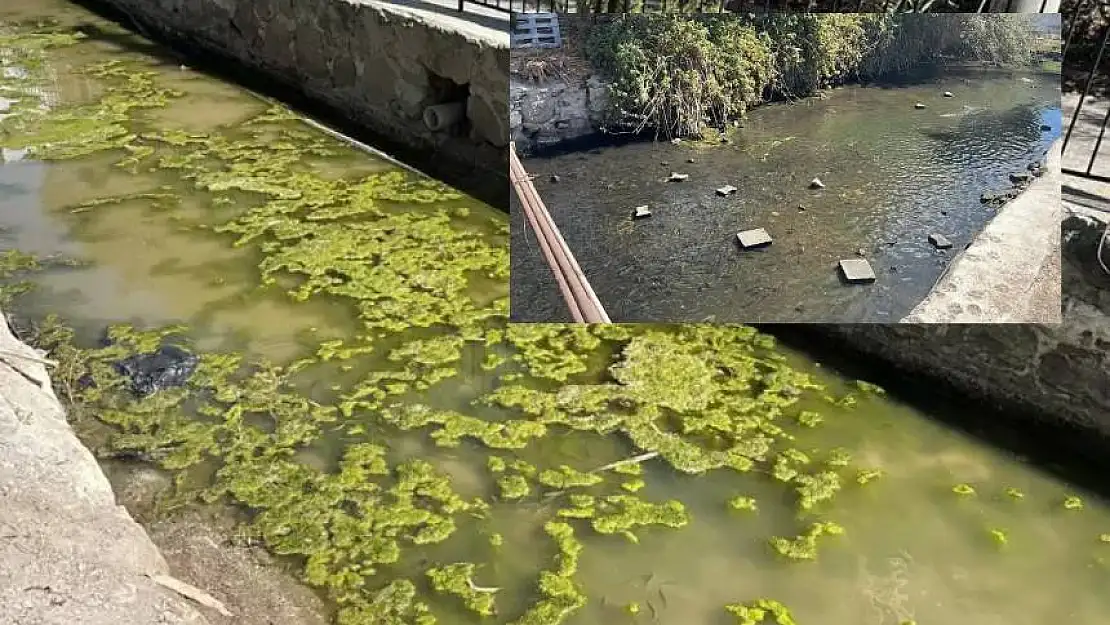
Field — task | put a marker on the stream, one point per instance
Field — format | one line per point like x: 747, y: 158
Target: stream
x: 381, y: 297
x: 894, y: 175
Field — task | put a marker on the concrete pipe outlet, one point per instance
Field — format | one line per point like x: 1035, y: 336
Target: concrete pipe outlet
x: 442, y: 116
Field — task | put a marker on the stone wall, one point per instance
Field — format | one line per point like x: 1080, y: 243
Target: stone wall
x: 543, y: 115
x: 376, y: 65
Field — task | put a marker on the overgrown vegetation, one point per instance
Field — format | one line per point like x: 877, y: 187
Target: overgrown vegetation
x: 746, y: 6
x: 680, y: 75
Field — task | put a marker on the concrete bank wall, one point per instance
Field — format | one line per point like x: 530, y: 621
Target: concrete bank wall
x: 68, y: 553
x: 377, y: 66
x: 1053, y: 375
x: 1010, y: 273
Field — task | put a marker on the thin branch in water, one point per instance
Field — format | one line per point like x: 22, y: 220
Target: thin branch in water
x: 644, y: 457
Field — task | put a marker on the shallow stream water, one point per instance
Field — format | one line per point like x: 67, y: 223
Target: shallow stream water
x: 894, y: 175
x: 912, y: 548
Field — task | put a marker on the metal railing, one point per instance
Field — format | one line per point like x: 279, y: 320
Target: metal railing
x: 1076, y: 41
x: 507, y: 6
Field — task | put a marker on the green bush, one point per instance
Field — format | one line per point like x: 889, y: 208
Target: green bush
x: 680, y: 75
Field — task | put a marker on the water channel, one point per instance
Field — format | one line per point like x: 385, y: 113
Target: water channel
x: 894, y: 174
x: 419, y: 430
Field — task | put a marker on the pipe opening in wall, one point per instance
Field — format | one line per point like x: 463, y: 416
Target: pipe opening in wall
x: 446, y: 110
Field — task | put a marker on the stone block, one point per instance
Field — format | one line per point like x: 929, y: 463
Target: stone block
x: 750, y: 239
x: 641, y: 212
x: 939, y: 241
x: 857, y: 271
x: 726, y: 190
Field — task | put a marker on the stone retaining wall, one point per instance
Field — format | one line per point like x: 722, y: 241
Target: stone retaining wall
x: 376, y: 65
x: 543, y: 115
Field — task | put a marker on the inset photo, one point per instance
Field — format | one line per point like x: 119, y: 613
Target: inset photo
x: 785, y: 168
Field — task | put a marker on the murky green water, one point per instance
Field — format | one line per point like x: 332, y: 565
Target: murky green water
x: 894, y: 176
x: 719, y: 403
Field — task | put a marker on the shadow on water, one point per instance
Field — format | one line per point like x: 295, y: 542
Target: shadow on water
x: 180, y: 49
x: 1062, y: 450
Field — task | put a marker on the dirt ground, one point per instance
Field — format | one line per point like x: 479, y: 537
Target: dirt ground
x: 202, y: 548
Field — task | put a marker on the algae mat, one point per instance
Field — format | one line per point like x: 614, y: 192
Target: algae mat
x: 363, y: 405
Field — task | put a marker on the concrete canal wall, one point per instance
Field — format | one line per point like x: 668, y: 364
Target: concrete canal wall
x: 1051, y: 375
x: 426, y: 86
x: 70, y: 554
x: 1010, y: 272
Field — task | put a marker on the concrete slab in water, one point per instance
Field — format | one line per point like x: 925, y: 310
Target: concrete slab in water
x: 726, y: 190
x: 641, y: 212
x: 857, y: 271
x: 939, y: 241
x: 753, y: 238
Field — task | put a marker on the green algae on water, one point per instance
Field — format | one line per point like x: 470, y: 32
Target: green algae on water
x: 761, y: 611
x: 964, y: 490
x: 693, y: 400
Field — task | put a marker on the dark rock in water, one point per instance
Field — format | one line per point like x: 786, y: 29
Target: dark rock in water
x: 555, y: 178
x: 919, y: 106
x: 1021, y: 177
x: 689, y: 160
x: 999, y: 197
x: 167, y: 367
x: 940, y: 241
x: 949, y: 94
x: 1045, y: 127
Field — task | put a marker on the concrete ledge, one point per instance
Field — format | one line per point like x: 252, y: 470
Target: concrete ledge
x: 69, y: 553
x: 1011, y: 271
x: 373, y: 65
x: 1051, y: 378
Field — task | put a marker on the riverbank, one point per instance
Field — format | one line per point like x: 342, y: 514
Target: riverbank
x: 372, y: 69
x: 1010, y: 272
x: 70, y: 554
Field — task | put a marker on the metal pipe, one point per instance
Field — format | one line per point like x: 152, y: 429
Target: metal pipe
x: 546, y: 249
x: 542, y: 224
x: 581, y: 296
x: 587, y: 298
x: 439, y: 117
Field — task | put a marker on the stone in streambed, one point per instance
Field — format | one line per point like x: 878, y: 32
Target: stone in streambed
x: 857, y: 271
x: 939, y: 241
x: 751, y: 239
